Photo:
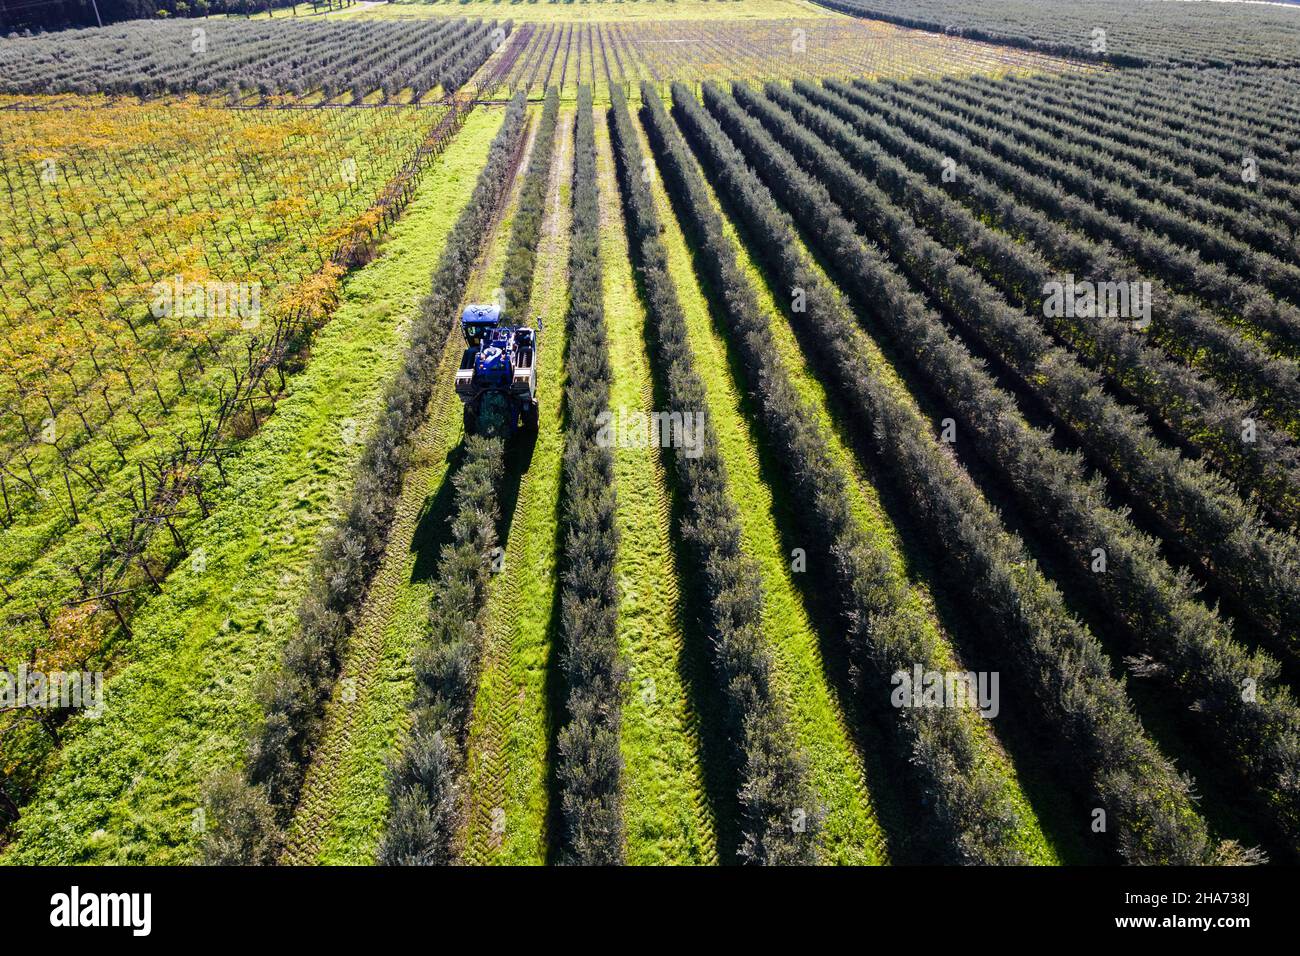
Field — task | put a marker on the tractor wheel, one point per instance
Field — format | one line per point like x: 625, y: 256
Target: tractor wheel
x: 471, y: 421
x: 530, y: 416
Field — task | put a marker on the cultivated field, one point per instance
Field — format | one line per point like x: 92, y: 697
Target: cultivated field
x: 314, y: 62
x: 1117, y: 31
x: 626, y: 54
x: 915, y: 478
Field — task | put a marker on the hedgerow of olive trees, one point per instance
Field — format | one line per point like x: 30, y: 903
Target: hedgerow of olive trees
x: 1147, y: 804
x: 977, y: 822
x: 1157, y: 605
x: 590, y: 765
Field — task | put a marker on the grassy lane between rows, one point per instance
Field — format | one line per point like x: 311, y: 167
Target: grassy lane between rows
x: 1052, y: 657
x: 426, y: 778
x: 851, y: 833
x: 340, y: 816
x: 508, y: 768
x: 870, y: 512
x: 350, y: 820
x: 125, y: 788
x: 668, y: 814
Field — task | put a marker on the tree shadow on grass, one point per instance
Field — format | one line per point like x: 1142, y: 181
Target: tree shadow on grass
x: 1057, y: 806
x: 518, y: 459
x: 433, y: 529
x: 1041, y: 785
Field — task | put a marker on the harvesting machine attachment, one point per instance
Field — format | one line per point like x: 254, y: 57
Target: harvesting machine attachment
x: 496, y: 380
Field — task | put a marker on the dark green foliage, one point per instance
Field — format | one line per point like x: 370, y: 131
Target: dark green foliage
x: 1135, y: 34
x: 1114, y: 180
x: 1153, y: 602
x: 294, y: 696
x: 1052, y: 656
x: 590, y: 761
x: 531, y: 210
x: 1191, y: 243
x: 1171, y: 119
x: 773, y: 772
x: 1178, y: 266
x: 1192, y: 407
x: 277, y: 56
x: 241, y: 828
x: 977, y: 820
x: 1200, y: 509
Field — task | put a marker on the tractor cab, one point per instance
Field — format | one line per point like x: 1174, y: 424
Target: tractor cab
x: 477, y: 320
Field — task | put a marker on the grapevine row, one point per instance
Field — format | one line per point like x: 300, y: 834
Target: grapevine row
x: 149, y: 58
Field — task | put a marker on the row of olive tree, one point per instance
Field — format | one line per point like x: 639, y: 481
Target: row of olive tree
x: 1146, y: 35
x: 1141, y: 801
x: 517, y: 283
x: 426, y: 800
x: 425, y: 783
x: 779, y: 814
x: 1200, y: 510
x: 590, y: 765
x: 1111, y: 171
x: 1181, y: 267
x: 1177, y: 119
x: 1174, y: 392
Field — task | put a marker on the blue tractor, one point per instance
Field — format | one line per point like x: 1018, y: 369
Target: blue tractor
x: 496, y: 380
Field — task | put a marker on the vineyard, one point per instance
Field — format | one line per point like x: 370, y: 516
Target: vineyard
x: 622, y: 11
x: 311, y: 63
x: 915, y: 477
